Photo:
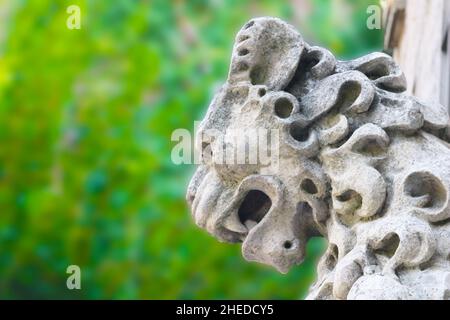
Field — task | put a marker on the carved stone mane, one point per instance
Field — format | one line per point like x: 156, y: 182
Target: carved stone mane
x: 361, y: 163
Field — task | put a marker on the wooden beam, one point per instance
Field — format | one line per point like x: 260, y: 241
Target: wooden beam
x: 417, y: 33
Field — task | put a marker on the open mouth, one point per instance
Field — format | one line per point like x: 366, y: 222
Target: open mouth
x: 250, y: 214
x: 253, y: 208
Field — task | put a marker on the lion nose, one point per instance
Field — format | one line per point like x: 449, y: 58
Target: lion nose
x: 275, y: 241
x: 280, y: 250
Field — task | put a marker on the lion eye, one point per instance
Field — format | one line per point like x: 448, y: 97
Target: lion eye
x: 298, y: 132
x: 283, y: 108
x: 309, y: 186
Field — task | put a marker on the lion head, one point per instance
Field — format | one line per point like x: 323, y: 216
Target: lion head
x: 351, y: 158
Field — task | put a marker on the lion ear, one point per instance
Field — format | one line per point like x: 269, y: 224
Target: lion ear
x: 266, y: 52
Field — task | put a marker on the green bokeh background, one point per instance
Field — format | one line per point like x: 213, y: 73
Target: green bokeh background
x: 86, y: 117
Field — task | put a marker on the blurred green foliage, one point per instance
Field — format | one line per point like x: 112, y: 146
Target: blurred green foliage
x: 85, y: 123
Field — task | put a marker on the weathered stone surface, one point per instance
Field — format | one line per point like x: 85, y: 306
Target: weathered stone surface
x: 359, y: 162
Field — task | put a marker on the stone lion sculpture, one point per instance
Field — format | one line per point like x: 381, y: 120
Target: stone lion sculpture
x: 361, y: 163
